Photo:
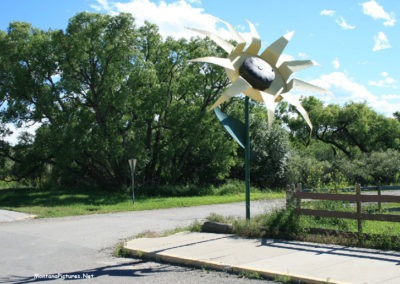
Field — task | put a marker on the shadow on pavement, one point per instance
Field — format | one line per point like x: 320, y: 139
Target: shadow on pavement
x: 129, y: 269
x: 335, y: 250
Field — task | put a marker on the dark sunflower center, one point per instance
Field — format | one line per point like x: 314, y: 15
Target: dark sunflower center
x: 257, y: 72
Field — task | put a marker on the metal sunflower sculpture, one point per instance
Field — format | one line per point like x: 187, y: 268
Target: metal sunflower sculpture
x: 259, y: 78
x: 257, y: 75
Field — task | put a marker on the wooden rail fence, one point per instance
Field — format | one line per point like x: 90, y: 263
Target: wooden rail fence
x: 294, y: 196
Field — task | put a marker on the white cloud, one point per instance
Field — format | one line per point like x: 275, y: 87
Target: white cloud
x: 391, y: 97
x: 338, y: 20
x: 381, y: 42
x: 336, y: 63
x: 327, y: 13
x: 170, y: 17
x: 343, y: 24
x: 101, y: 5
x: 303, y: 55
x: 376, y: 11
x: 345, y: 89
x: 386, y: 81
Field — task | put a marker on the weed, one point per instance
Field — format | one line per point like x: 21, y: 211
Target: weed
x: 283, y: 279
x: 121, y: 251
x: 147, y: 234
x: 250, y: 275
x: 213, y: 217
x: 195, y: 226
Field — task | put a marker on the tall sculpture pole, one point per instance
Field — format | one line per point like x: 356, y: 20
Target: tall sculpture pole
x: 260, y: 78
x: 247, y: 152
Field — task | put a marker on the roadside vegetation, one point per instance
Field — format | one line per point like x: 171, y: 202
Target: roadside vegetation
x: 285, y: 224
x: 60, y: 203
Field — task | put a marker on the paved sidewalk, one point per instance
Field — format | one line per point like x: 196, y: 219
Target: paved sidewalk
x: 10, y: 216
x: 306, y: 262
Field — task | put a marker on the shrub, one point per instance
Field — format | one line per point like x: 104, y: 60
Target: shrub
x: 282, y: 224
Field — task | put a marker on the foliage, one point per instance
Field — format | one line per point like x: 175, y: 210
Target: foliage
x: 270, y: 149
x: 104, y: 91
x: 351, y: 129
x: 282, y: 224
x: 175, y: 190
x: 285, y: 224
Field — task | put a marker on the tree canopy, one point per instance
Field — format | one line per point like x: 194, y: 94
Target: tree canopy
x: 104, y: 90
x: 351, y: 129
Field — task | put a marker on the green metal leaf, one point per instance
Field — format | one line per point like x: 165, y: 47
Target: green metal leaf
x: 234, y: 127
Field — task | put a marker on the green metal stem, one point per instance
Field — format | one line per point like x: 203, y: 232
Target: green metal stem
x: 247, y: 156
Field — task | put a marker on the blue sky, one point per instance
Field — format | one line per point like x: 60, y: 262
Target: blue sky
x: 355, y: 43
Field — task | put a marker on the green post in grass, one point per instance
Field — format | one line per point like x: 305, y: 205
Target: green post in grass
x: 247, y: 156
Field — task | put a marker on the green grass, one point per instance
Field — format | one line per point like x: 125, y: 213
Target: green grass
x: 58, y: 203
x: 348, y: 225
x: 284, y: 224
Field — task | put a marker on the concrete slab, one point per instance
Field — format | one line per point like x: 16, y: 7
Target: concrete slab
x: 11, y: 216
x: 306, y: 262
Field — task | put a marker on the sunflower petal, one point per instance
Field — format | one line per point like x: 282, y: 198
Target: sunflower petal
x: 299, y: 84
x: 255, y: 44
x: 223, y: 62
x: 270, y: 103
x: 254, y: 94
x: 289, y: 67
x: 296, y: 103
x: 215, y: 38
x: 237, y: 51
x: 235, y: 89
x: 272, y: 53
x: 235, y: 35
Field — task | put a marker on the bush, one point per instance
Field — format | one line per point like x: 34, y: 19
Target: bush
x: 230, y: 187
x: 175, y: 190
x: 282, y: 224
x: 308, y: 170
x: 270, y: 149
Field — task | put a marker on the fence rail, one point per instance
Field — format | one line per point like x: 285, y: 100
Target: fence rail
x: 294, y: 196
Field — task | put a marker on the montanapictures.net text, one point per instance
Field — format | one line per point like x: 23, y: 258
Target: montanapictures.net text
x: 64, y: 276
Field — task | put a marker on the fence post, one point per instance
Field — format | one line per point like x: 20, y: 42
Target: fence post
x: 298, y: 199
x: 359, y: 217
x: 379, y: 194
x: 289, y: 198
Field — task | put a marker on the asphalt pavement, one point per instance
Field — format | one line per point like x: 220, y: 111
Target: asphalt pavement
x: 80, y: 248
x: 58, y: 249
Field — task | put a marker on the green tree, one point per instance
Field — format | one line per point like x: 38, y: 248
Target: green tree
x: 105, y: 91
x: 353, y: 128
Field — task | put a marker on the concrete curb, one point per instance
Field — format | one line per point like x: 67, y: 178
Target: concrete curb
x: 207, y: 264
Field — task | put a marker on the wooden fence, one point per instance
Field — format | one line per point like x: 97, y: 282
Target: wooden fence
x: 294, y: 196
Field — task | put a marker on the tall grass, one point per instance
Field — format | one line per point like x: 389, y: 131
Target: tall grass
x: 285, y: 224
